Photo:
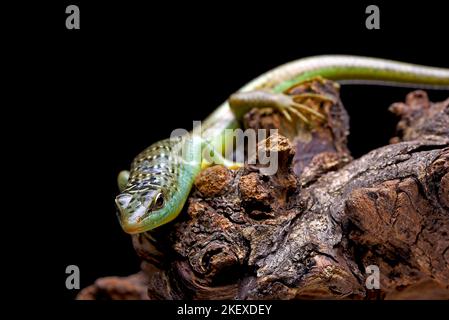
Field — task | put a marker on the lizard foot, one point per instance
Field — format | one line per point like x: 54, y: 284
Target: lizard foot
x: 287, y: 105
x: 294, y: 105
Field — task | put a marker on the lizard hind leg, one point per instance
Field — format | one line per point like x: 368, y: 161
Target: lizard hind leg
x: 299, y: 100
x: 287, y: 105
x: 294, y: 104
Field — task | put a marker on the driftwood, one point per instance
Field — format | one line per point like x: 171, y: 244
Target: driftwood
x: 310, y: 230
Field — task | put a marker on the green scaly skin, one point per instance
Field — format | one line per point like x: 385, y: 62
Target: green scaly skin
x: 155, y: 190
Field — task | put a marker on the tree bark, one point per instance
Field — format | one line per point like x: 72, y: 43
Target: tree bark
x: 311, y: 229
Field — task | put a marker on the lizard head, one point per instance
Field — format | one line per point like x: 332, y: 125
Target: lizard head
x: 140, y: 211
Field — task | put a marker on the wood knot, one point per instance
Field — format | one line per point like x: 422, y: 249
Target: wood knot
x: 213, y: 181
x: 274, y: 155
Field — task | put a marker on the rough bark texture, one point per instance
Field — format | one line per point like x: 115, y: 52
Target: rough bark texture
x: 311, y: 229
x: 133, y: 287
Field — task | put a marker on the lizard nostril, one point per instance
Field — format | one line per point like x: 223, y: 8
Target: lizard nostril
x: 123, y: 200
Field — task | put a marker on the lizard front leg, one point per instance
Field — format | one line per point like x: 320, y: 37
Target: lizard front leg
x: 211, y: 156
x: 122, y: 179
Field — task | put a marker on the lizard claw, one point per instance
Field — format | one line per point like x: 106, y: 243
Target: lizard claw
x: 290, y: 105
x: 301, y: 106
x: 287, y: 105
x: 285, y: 113
x: 296, y: 112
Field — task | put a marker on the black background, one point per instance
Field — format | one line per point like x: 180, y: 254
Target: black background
x: 135, y: 72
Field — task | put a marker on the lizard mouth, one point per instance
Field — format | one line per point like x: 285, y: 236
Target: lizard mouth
x: 134, y: 211
x: 132, y: 228
x: 134, y: 222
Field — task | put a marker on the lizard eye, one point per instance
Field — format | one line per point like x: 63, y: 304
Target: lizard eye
x: 159, y: 201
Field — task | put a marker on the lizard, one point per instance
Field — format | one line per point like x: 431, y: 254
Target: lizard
x: 161, y: 177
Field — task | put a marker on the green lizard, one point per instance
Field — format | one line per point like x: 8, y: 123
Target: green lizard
x: 154, y: 191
